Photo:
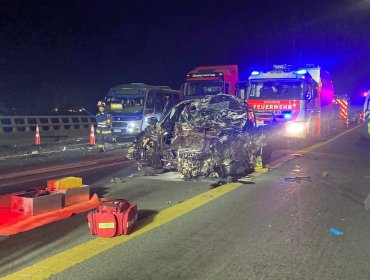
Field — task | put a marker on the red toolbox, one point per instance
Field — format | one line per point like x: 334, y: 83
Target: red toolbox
x: 113, y: 218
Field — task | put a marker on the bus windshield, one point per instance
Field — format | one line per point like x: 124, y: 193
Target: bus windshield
x: 126, y: 99
x: 275, y: 89
x: 126, y: 104
x: 199, y: 88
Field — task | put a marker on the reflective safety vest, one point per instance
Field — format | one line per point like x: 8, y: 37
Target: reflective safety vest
x: 104, y: 120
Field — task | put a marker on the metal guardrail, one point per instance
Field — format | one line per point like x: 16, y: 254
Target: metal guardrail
x: 23, y: 124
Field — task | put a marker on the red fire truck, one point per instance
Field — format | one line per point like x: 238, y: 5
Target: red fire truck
x: 210, y: 80
x: 302, y: 99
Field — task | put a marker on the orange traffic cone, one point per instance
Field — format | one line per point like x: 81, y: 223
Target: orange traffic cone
x: 37, y: 136
x: 92, y: 136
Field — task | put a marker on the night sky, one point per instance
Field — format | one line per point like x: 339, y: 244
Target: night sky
x: 69, y: 53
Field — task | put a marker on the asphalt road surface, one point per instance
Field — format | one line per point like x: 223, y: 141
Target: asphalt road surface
x: 273, y: 225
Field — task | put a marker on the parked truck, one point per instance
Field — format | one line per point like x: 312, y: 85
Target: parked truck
x: 301, y: 99
x: 210, y: 80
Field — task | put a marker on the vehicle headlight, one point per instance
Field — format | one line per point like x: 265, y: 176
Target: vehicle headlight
x: 295, y: 129
x: 134, y: 126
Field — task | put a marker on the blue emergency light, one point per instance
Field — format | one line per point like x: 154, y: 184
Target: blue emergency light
x: 255, y: 73
x: 300, y: 72
x: 287, y: 116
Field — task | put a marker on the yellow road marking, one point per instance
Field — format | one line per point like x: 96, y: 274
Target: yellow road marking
x: 71, y: 257
x: 321, y: 144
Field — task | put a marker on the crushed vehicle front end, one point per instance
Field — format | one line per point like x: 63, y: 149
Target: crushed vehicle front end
x: 208, y: 137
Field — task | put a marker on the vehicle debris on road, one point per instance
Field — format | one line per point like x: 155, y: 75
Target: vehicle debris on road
x: 325, y: 174
x: 336, y: 232
x: 297, y: 179
x: 367, y: 202
x: 116, y: 180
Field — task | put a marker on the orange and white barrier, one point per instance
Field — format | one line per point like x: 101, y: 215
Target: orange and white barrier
x: 92, y: 135
x: 37, y: 136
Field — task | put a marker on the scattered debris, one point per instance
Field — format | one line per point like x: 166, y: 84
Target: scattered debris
x: 325, y: 174
x: 246, y: 180
x: 169, y: 202
x: 116, y: 180
x: 296, y: 155
x: 336, y: 232
x: 231, y: 179
x: 297, y: 179
x: 367, y: 202
x: 150, y: 171
x: 217, y: 184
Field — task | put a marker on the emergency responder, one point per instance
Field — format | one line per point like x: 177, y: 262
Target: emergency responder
x: 103, y: 129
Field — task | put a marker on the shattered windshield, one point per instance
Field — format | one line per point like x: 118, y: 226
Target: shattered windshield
x: 199, y: 88
x: 276, y: 89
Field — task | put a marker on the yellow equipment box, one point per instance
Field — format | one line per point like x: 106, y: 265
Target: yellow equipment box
x: 65, y: 183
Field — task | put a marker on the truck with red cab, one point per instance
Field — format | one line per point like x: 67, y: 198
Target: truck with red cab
x: 210, y: 80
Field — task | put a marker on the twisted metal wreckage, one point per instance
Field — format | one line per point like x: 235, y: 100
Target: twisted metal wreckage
x: 210, y: 137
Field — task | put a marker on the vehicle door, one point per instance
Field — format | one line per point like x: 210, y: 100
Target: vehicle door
x: 154, y: 105
x: 149, y: 110
x: 171, y: 99
x: 160, y: 103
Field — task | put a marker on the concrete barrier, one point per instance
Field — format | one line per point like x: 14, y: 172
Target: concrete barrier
x: 21, y: 129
